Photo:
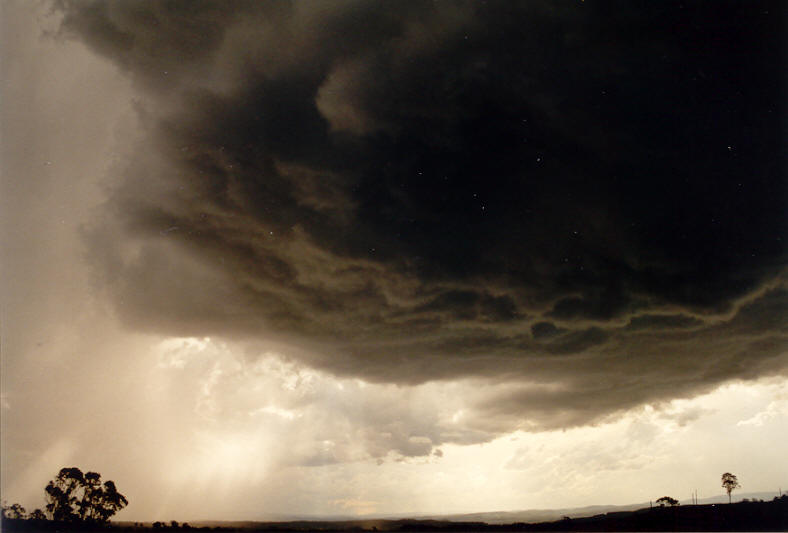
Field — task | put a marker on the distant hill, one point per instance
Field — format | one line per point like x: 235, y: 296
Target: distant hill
x: 544, y: 515
x: 477, y: 521
x: 723, y: 498
x: 535, y: 515
x: 491, y: 517
x: 707, y: 516
x: 741, y: 516
x: 388, y: 522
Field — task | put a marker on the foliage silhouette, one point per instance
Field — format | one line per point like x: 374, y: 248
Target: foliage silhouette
x: 14, y: 511
x: 667, y: 501
x: 38, y: 514
x: 729, y: 482
x: 76, y: 497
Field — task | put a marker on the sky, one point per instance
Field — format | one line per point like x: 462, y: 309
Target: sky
x: 340, y: 258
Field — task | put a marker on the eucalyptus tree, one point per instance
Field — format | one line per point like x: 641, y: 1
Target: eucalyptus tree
x: 729, y: 482
x: 667, y: 501
x: 76, y: 497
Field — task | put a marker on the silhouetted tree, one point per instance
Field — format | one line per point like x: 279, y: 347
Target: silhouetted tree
x: 15, y: 511
x: 667, y: 501
x: 112, y: 501
x: 174, y: 523
x: 91, y: 497
x: 729, y: 482
x: 61, y: 495
x: 38, y: 514
x: 76, y: 497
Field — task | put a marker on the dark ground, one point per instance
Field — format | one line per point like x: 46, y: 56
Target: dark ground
x: 743, y: 516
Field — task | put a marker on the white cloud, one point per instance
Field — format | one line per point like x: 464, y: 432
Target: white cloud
x: 297, y: 440
x: 356, y: 506
x: 775, y: 410
x: 276, y: 411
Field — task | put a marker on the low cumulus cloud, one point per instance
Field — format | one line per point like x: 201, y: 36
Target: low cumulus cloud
x: 318, y: 419
x: 581, y: 203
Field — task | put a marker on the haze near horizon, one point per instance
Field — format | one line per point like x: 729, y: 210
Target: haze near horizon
x: 331, y: 258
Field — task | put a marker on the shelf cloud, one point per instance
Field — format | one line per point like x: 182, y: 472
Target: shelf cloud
x: 581, y: 203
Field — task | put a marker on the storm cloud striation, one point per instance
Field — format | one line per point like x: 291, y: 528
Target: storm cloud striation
x: 582, y: 203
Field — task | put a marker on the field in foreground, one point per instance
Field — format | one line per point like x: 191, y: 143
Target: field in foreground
x: 743, y: 516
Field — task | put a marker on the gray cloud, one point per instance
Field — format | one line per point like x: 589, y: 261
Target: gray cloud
x: 667, y: 321
x: 413, y: 195
x: 545, y: 330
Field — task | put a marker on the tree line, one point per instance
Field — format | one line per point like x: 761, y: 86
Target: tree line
x: 74, y: 497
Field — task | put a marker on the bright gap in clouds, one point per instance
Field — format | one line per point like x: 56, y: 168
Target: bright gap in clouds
x: 211, y: 429
x: 265, y: 435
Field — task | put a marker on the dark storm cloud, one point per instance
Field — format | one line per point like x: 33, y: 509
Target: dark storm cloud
x: 545, y: 330
x: 587, y: 195
x: 598, y: 306
x: 663, y: 322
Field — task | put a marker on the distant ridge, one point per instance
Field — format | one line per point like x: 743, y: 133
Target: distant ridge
x: 543, y: 515
x: 535, y: 515
x: 753, y: 515
x: 381, y: 521
x: 740, y: 516
x: 723, y: 498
